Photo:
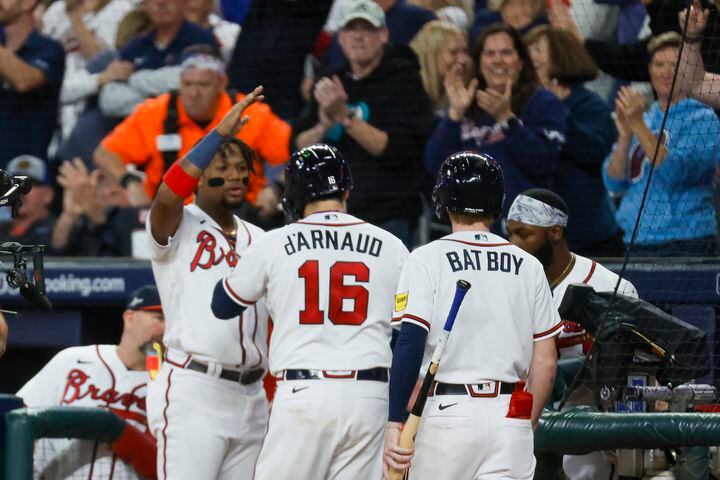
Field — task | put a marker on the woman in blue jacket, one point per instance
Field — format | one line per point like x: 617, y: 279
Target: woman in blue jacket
x: 502, y: 112
x: 678, y: 218
x: 562, y: 65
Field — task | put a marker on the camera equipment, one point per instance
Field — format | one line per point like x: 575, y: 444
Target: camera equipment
x: 32, y: 289
x: 11, y: 190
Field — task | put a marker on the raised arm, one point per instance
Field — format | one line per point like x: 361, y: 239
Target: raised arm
x: 182, y: 178
x: 694, y: 81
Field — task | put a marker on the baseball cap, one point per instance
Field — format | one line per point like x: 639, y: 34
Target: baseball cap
x: 145, y: 298
x: 366, y: 10
x: 29, y: 166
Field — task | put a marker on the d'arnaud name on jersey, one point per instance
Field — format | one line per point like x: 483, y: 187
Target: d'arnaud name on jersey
x: 333, y: 240
x: 484, y: 260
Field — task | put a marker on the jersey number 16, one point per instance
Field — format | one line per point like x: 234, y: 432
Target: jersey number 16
x: 312, y: 315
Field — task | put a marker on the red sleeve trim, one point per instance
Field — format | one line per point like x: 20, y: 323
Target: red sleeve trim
x: 549, y: 332
x: 235, y: 296
x: 419, y: 320
x: 592, y: 271
x: 396, y: 319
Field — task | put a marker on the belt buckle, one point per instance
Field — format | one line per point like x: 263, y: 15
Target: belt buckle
x: 484, y: 389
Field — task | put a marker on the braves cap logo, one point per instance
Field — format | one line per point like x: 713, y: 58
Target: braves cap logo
x: 135, y: 302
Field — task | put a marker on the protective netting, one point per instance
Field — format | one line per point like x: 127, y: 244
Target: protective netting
x: 62, y: 458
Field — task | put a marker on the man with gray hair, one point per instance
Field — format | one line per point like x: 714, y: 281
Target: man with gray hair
x: 164, y: 128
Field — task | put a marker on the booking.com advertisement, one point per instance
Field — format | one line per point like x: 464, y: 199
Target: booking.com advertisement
x: 80, y: 284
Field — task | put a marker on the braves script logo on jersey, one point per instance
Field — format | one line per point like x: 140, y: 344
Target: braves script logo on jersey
x: 208, y: 254
x: 78, y: 387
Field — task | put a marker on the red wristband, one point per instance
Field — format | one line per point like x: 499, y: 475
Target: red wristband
x: 178, y: 180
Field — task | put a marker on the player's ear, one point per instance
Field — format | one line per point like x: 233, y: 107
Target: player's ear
x: 555, y: 233
x: 128, y: 318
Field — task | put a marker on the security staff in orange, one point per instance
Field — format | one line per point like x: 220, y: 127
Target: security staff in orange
x: 165, y: 128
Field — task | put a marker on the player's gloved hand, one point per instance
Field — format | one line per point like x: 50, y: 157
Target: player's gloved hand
x: 394, y: 456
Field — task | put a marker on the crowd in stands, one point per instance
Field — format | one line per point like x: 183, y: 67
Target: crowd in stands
x: 99, y: 97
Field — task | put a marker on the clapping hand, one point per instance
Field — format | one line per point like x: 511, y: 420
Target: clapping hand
x: 632, y: 106
x: 496, y: 104
x: 460, y: 96
x: 234, y: 120
x: 621, y: 123
x: 332, y: 99
x: 79, y: 185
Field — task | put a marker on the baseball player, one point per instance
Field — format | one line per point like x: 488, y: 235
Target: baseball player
x: 105, y: 376
x: 536, y: 223
x: 207, y: 407
x: 478, y: 419
x: 329, y: 279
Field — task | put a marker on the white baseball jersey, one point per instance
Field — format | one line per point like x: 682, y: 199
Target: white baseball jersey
x: 90, y: 376
x: 329, y: 280
x: 509, y: 305
x: 573, y: 341
x: 186, y: 272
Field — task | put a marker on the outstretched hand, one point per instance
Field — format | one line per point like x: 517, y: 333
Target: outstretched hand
x: 234, y: 120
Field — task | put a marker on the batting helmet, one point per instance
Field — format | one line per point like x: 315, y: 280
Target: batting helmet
x: 313, y: 173
x: 469, y: 183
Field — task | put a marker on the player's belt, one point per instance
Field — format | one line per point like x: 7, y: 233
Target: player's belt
x: 246, y: 377
x: 477, y: 390
x: 378, y: 374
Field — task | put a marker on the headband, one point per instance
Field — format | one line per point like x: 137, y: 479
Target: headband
x: 534, y: 212
x: 203, y: 61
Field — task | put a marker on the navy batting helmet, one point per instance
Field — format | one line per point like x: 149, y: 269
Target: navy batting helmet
x: 313, y: 173
x: 469, y: 183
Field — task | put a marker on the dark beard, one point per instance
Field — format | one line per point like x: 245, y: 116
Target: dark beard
x: 232, y: 205
x: 545, y: 254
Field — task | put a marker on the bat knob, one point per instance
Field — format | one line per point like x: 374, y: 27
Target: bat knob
x: 463, y: 284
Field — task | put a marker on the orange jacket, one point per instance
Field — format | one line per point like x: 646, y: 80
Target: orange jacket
x: 135, y: 139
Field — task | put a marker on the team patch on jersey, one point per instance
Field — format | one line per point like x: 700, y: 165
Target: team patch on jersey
x: 401, y: 301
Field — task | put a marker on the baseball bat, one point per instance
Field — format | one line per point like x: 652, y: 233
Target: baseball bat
x: 407, y: 436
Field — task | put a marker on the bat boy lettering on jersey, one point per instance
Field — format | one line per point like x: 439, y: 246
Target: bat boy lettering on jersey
x: 325, y: 239
x: 472, y: 259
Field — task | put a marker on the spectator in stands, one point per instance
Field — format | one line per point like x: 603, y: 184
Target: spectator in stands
x: 374, y: 109
x: 31, y: 72
x: 522, y: 15
x: 440, y: 47
x: 112, y: 377
x: 34, y: 222
x: 627, y: 62
x: 277, y: 37
x: 678, y: 217
x: 201, y: 13
x: 503, y: 112
x: 693, y: 79
x: 460, y: 13
x: 91, y: 126
x: 96, y: 219
x: 150, y: 63
x: 164, y: 129
x: 84, y: 28
x: 562, y: 65
x: 402, y: 19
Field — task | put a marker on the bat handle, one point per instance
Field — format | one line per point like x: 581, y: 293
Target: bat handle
x: 407, y: 440
x: 461, y: 289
